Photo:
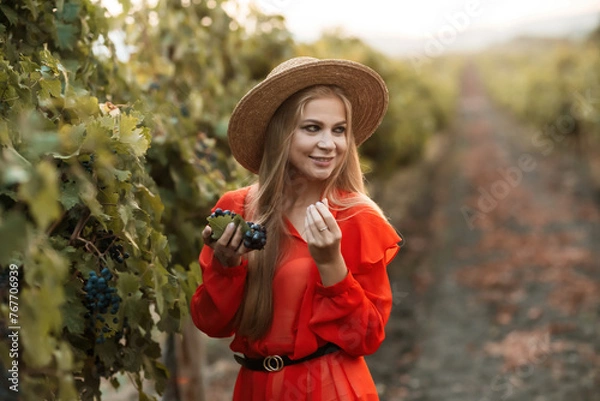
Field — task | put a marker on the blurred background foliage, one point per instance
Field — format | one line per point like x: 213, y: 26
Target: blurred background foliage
x: 551, y: 84
x: 113, y: 131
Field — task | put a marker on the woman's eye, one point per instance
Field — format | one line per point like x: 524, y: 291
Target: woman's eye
x: 311, y: 128
x: 339, y: 130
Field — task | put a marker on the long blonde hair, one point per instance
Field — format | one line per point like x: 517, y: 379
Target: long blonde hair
x: 269, y: 203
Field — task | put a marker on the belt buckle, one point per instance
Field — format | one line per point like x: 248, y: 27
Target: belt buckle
x: 273, y: 363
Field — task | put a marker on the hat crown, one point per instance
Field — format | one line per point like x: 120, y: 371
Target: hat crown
x: 291, y: 63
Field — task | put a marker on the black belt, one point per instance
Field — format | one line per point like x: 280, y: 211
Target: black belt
x: 274, y: 363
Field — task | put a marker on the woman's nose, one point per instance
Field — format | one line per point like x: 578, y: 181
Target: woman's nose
x: 326, y: 140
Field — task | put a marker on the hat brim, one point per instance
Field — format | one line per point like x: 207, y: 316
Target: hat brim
x: 364, y: 88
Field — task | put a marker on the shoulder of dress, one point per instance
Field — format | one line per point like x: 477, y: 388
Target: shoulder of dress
x: 234, y: 200
x: 364, y: 208
x: 239, y: 193
x: 359, y: 214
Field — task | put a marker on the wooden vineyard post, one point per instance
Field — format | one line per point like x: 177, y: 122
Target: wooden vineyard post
x: 186, y: 360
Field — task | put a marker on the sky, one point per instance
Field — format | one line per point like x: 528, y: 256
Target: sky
x: 401, y: 27
x: 421, y: 19
x: 416, y: 17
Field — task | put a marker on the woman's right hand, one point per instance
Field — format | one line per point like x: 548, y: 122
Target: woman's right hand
x: 229, y: 248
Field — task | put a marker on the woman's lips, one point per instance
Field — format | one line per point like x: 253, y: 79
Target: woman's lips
x: 322, y: 161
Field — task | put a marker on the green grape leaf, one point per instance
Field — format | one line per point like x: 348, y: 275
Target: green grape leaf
x: 161, y: 280
x: 96, y: 136
x: 160, y: 244
x: 50, y: 87
x: 70, y: 137
x: 83, y: 106
x: 73, y: 310
x: 87, y: 194
x: 41, y: 193
x: 127, y: 284
x: 132, y: 304
x: 69, y: 195
x: 131, y: 359
x: 107, y: 352
x: 33, y: 7
x: 239, y: 220
x: 150, y: 202
x: 137, y: 138
x: 65, y: 34
x: 158, y: 372
x: 40, y: 321
x: 69, y: 12
x: 13, y: 235
x: 10, y: 14
x: 219, y: 223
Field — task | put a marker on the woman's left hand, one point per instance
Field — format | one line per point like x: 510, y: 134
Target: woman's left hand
x: 324, y: 236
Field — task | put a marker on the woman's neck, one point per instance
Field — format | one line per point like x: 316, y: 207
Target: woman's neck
x: 304, y: 194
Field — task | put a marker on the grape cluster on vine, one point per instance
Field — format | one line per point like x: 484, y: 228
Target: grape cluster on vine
x: 117, y: 254
x: 109, y: 243
x: 100, y: 299
x: 88, y: 165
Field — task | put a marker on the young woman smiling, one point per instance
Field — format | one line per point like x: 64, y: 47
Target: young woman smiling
x: 306, y: 309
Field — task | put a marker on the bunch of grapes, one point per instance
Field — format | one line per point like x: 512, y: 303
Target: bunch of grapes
x: 109, y: 242
x: 100, y: 299
x: 117, y: 254
x: 88, y: 163
x: 255, y: 235
x: 220, y: 212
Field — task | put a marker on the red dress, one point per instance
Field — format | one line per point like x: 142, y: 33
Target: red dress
x: 351, y: 313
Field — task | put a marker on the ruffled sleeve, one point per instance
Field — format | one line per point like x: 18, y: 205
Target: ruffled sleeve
x: 353, y: 312
x: 368, y: 240
x: 217, y: 300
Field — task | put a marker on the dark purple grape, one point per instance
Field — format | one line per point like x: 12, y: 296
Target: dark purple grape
x: 256, y: 237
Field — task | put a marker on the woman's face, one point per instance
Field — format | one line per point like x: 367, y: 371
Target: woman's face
x: 319, y: 140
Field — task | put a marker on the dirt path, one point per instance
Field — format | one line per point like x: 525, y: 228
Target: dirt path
x: 497, y: 296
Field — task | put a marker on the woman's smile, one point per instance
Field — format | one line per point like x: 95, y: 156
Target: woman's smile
x: 322, y: 161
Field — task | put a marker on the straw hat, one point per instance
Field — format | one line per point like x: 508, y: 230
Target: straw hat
x: 364, y: 88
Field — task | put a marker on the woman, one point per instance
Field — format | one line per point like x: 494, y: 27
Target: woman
x: 307, y: 308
